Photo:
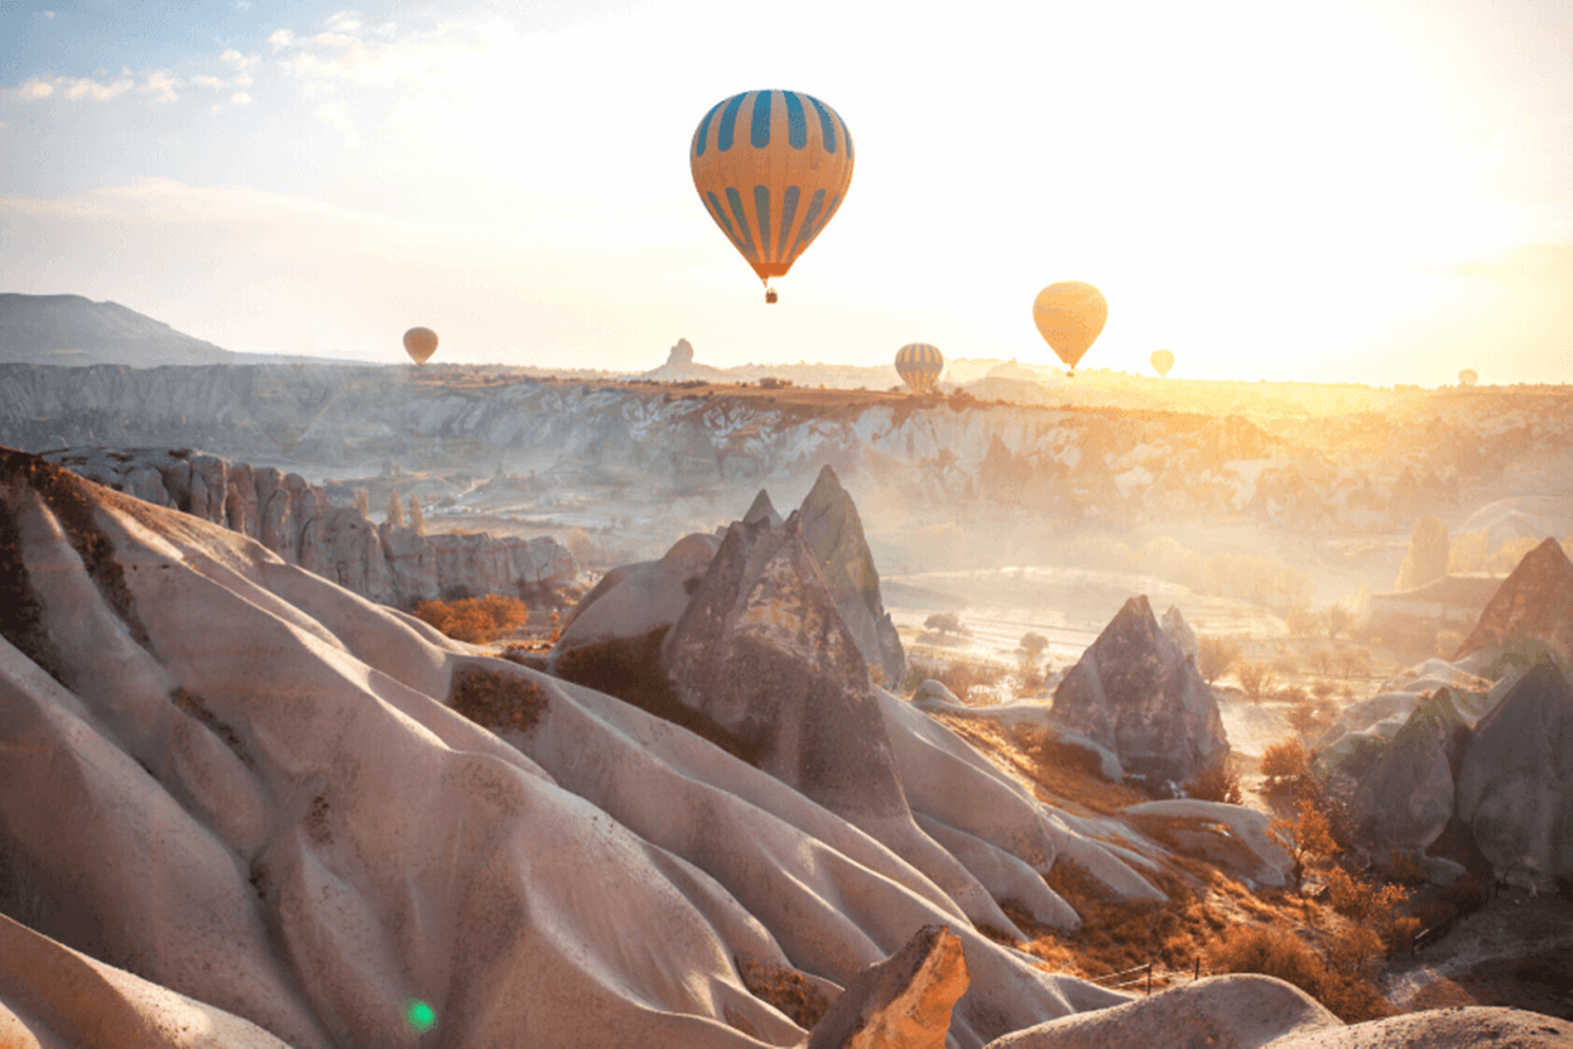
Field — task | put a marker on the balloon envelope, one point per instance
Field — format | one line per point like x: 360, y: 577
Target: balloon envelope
x: 771, y: 168
x: 1162, y: 361
x: 420, y: 344
x: 1070, y: 315
x: 919, y: 365
x: 1469, y: 376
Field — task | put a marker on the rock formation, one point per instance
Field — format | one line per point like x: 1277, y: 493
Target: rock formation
x: 681, y: 353
x: 385, y: 563
x: 904, y: 1001
x: 1180, y: 632
x: 1535, y: 600
x: 1404, y: 802
x: 834, y: 533
x: 1134, y: 692
x: 1515, y: 786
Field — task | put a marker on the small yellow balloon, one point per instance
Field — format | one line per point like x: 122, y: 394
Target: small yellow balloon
x: 420, y: 344
x: 1070, y: 316
x: 1162, y: 361
x: 1468, y: 377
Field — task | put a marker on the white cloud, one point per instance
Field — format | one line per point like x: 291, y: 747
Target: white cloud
x: 281, y: 38
x: 160, y: 85
x: 240, y: 98
x: 238, y: 60
x: 343, y: 22
x: 337, y: 117
x: 36, y: 88
x: 207, y: 80
x: 32, y: 89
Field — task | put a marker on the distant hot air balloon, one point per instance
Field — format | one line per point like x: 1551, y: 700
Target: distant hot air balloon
x: 919, y: 365
x: 1069, y: 315
x: 771, y: 167
x: 420, y: 344
x: 1468, y: 377
x: 1162, y: 361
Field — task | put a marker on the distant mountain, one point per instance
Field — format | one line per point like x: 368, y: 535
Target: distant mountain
x: 72, y: 330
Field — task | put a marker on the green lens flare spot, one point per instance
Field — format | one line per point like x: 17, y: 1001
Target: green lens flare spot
x: 420, y: 1015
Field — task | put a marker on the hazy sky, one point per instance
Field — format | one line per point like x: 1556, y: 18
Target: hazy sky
x: 1368, y: 190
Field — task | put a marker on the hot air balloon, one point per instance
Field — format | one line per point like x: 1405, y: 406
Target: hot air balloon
x: 1162, y: 361
x: 1069, y: 315
x: 919, y: 365
x: 1468, y: 377
x: 771, y: 167
x: 420, y: 344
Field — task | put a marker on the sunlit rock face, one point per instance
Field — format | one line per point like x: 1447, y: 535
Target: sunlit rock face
x: 902, y: 1003
x: 1515, y: 786
x: 833, y: 531
x: 1180, y: 632
x: 389, y: 564
x: 1535, y: 600
x: 1134, y: 691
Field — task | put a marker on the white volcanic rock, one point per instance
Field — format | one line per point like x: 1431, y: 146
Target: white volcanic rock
x: 294, y: 519
x: 1515, y: 786
x: 1405, y: 800
x: 1232, y: 837
x: 829, y: 523
x: 52, y: 997
x: 1180, y: 632
x: 1442, y: 1029
x: 904, y: 1001
x: 251, y: 787
x: 1134, y: 691
x: 1239, y: 1012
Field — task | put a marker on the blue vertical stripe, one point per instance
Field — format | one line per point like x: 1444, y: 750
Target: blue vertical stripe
x: 762, y: 217
x: 721, y: 220
x: 805, y: 234
x: 827, y: 126
x: 729, y: 123
x: 736, y: 201
x: 704, y: 129
x: 788, y: 213
x: 759, y: 133
x: 797, y: 124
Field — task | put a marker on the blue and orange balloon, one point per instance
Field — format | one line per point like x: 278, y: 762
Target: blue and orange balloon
x: 919, y: 364
x: 772, y: 168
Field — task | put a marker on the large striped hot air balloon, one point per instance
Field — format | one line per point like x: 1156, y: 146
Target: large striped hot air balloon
x: 1070, y: 315
x: 771, y: 167
x: 420, y: 344
x: 919, y: 365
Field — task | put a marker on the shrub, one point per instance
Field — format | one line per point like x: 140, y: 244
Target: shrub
x: 474, y: 619
x: 1304, y: 623
x: 1215, y: 655
x: 961, y: 677
x: 1305, y: 835
x: 1284, y: 762
x: 395, y: 510
x: 1428, y: 554
x: 1304, y: 716
x: 1218, y: 783
x: 946, y: 623
x: 1256, y: 679
x: 1351, y: 995
x: 1034, y: 645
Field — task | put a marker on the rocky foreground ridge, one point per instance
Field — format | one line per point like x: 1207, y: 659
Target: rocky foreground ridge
x: 386, y: 563
x: 243, y: 806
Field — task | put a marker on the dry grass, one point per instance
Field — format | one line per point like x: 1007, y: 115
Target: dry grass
x: 1058, y: 773
x: 786, y: 989
x: 474, y: 619
x: 496, y: 701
